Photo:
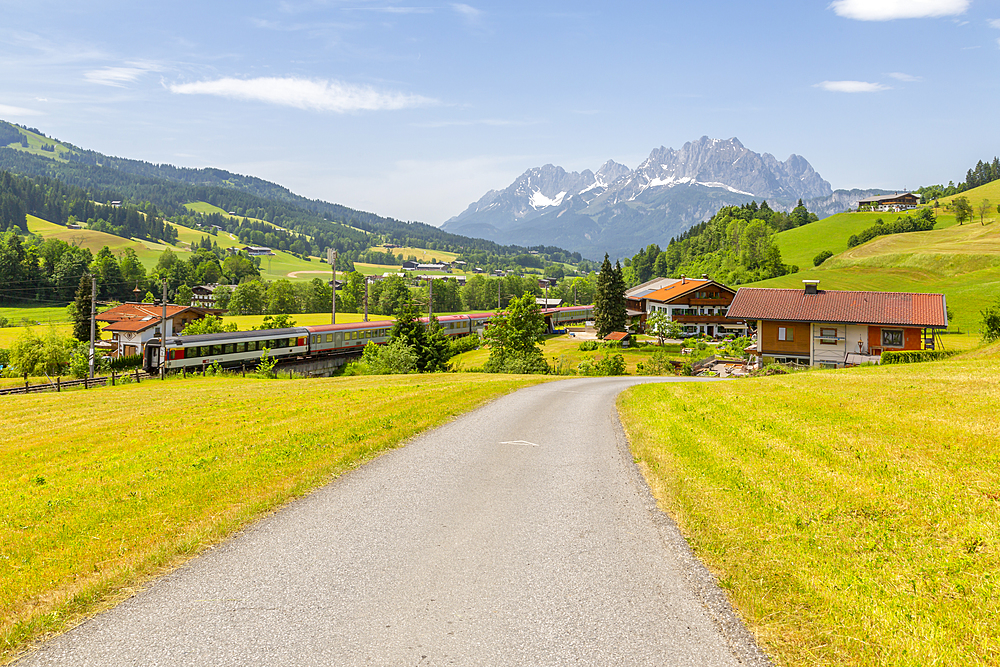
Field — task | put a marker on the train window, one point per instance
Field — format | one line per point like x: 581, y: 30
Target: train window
x: 228, y: 349
x: 216, y: 349
x: 241, y: 347
x: 292, y: 342
x: 329, y: 338
x: 191, y: 352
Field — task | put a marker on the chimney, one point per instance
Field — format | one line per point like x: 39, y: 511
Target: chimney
x: 812, y: 286
x: 704, y: 276
x: 684, y: 280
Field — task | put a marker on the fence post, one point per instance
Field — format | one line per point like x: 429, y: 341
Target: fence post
x: 58, y: 384
x: 137, y: 376
x: 112, y: 378
x: 85, y: 382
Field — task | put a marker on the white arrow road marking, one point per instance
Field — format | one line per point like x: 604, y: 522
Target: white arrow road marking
x: 524, y: 443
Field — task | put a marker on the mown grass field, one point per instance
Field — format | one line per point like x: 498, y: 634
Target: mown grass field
x: 853, y: 516
x: 104, y: 488
x: 562, y: 351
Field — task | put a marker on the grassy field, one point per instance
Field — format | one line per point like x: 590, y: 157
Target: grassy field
x: 206, y: 208
x: 853, y: 516
x: 562, y: 351
x: 93, y: 503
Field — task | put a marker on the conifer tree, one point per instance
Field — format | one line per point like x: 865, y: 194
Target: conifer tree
x: 609, y: 303
x: 81, y: 310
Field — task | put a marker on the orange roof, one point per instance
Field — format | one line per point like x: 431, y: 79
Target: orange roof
x: 680, y: 288
x: 139, y: 311
x: 617, y: 335
x: 133, y: 325
x: 794, y: 305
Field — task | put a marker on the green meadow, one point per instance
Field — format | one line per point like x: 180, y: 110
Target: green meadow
x: 93, y: 504
x: 852, y: 516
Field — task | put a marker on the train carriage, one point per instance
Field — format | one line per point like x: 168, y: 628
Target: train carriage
x: 352, y: 337
x: 228, y: 349
x: 453, y: 326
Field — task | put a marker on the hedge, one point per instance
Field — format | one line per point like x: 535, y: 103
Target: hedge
x: 914, y: 356
x: 127, y: 362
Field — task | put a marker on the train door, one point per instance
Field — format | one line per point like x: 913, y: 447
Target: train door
x: 151, y: 357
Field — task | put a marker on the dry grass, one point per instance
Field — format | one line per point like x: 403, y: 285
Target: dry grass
x: 852, y: 515
x: 104, y: 488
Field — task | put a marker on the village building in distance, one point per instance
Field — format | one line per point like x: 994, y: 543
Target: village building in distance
x: 890, y: 203
x: 132, y: 325
x: 834, y: 329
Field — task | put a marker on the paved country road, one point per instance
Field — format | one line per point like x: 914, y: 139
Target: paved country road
x: 519, y: 534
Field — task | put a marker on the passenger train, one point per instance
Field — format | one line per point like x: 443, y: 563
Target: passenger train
x: 244, y: 348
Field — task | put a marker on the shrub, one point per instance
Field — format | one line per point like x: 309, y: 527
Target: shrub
x: 589, y: 345
x: 520, y: 364
x: 822, y: 257
x: 990, y: 322
x: 914, y: 356
x: 610, y: 365
x: 394, y: 358
x: 658, y: 364
x: 464, y: 344
x: 127, y: 362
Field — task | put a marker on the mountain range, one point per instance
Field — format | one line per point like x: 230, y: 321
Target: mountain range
x: 619, y: 210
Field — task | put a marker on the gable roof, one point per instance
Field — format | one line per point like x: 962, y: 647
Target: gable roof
x: 680, y: 288
x: 794, y: 305
x: 139, y: 311
x: 617, y: 335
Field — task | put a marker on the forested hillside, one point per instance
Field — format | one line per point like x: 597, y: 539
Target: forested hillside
x: 170, y: 188
x: 735, y: 247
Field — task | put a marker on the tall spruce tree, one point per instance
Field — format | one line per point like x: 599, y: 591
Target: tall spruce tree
x: 609, y: 302
x: 81, y: 310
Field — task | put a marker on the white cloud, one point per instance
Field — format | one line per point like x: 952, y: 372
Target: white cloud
x: 305, y: 94
x: 470, y: 13
x: 10, y: 111
x: 995, y: 23
x: 886, y: 10
x: 115, y: 76
x: 899, y: 76
x: 490, y: 122
x: 851, y: 86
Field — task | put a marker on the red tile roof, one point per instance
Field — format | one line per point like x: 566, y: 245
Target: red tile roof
x: 132, y: 325
x: 617, y: 335
x: 679, y: 288
x: 794, y: 305
x: 139, y: 311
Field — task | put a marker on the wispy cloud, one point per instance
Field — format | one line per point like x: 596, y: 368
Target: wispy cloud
x: 117, y: 76
x: 900, y: 76
x: 887, y: 10
x: 995, y: 23
x: 10, y: 112
x: 468, y: 12
x: 851, y: 86
x: 319, y: 95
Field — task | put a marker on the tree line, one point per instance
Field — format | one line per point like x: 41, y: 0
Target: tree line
x: 735, y: 246
x: 981, y: 174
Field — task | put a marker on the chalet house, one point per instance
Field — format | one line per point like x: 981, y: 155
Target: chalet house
x: 833, y: 329
x: 635, y: 298
x: 889, y: 203
x: 257, y: 251
x: 203, y: 296
x: 133, y: 324
x: 623, y: 338
x: 700, y: 306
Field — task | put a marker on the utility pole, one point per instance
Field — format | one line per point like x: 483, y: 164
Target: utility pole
x: 574, y: 293
x: 366, y: 298
x: 163, y: 334
x: 499, y: 286
x: 331, y: 257
x: 93, y: 321
x: 430, y: 299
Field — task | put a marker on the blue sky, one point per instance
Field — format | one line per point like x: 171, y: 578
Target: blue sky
x: 416, y: 109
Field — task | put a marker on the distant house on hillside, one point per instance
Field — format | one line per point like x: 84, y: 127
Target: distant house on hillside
x: 257, y: 251
x: 890, y: 203
x: 834, y: 329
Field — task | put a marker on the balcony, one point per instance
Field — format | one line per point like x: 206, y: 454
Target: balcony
x: 703, y: 319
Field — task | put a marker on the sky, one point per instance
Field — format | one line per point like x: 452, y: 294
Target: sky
x: 414, y: 110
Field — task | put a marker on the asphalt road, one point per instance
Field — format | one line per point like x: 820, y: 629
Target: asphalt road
x: 520, y: 534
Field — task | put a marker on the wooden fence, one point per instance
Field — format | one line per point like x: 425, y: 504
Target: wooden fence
x: 86, y: 383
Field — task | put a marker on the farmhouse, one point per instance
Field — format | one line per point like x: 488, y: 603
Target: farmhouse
x: 699, y: 305
x: 833, y: 329
x: 889, y: 203
x: 257, y: 251
x: 133, y: 324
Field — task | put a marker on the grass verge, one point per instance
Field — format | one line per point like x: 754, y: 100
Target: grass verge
x: 105, y: 488
x: 853, y: 516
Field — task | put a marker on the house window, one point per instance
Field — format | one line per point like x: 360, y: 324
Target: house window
x: 785, y: 333
x: 892, y: 338
x: 827, y: 336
